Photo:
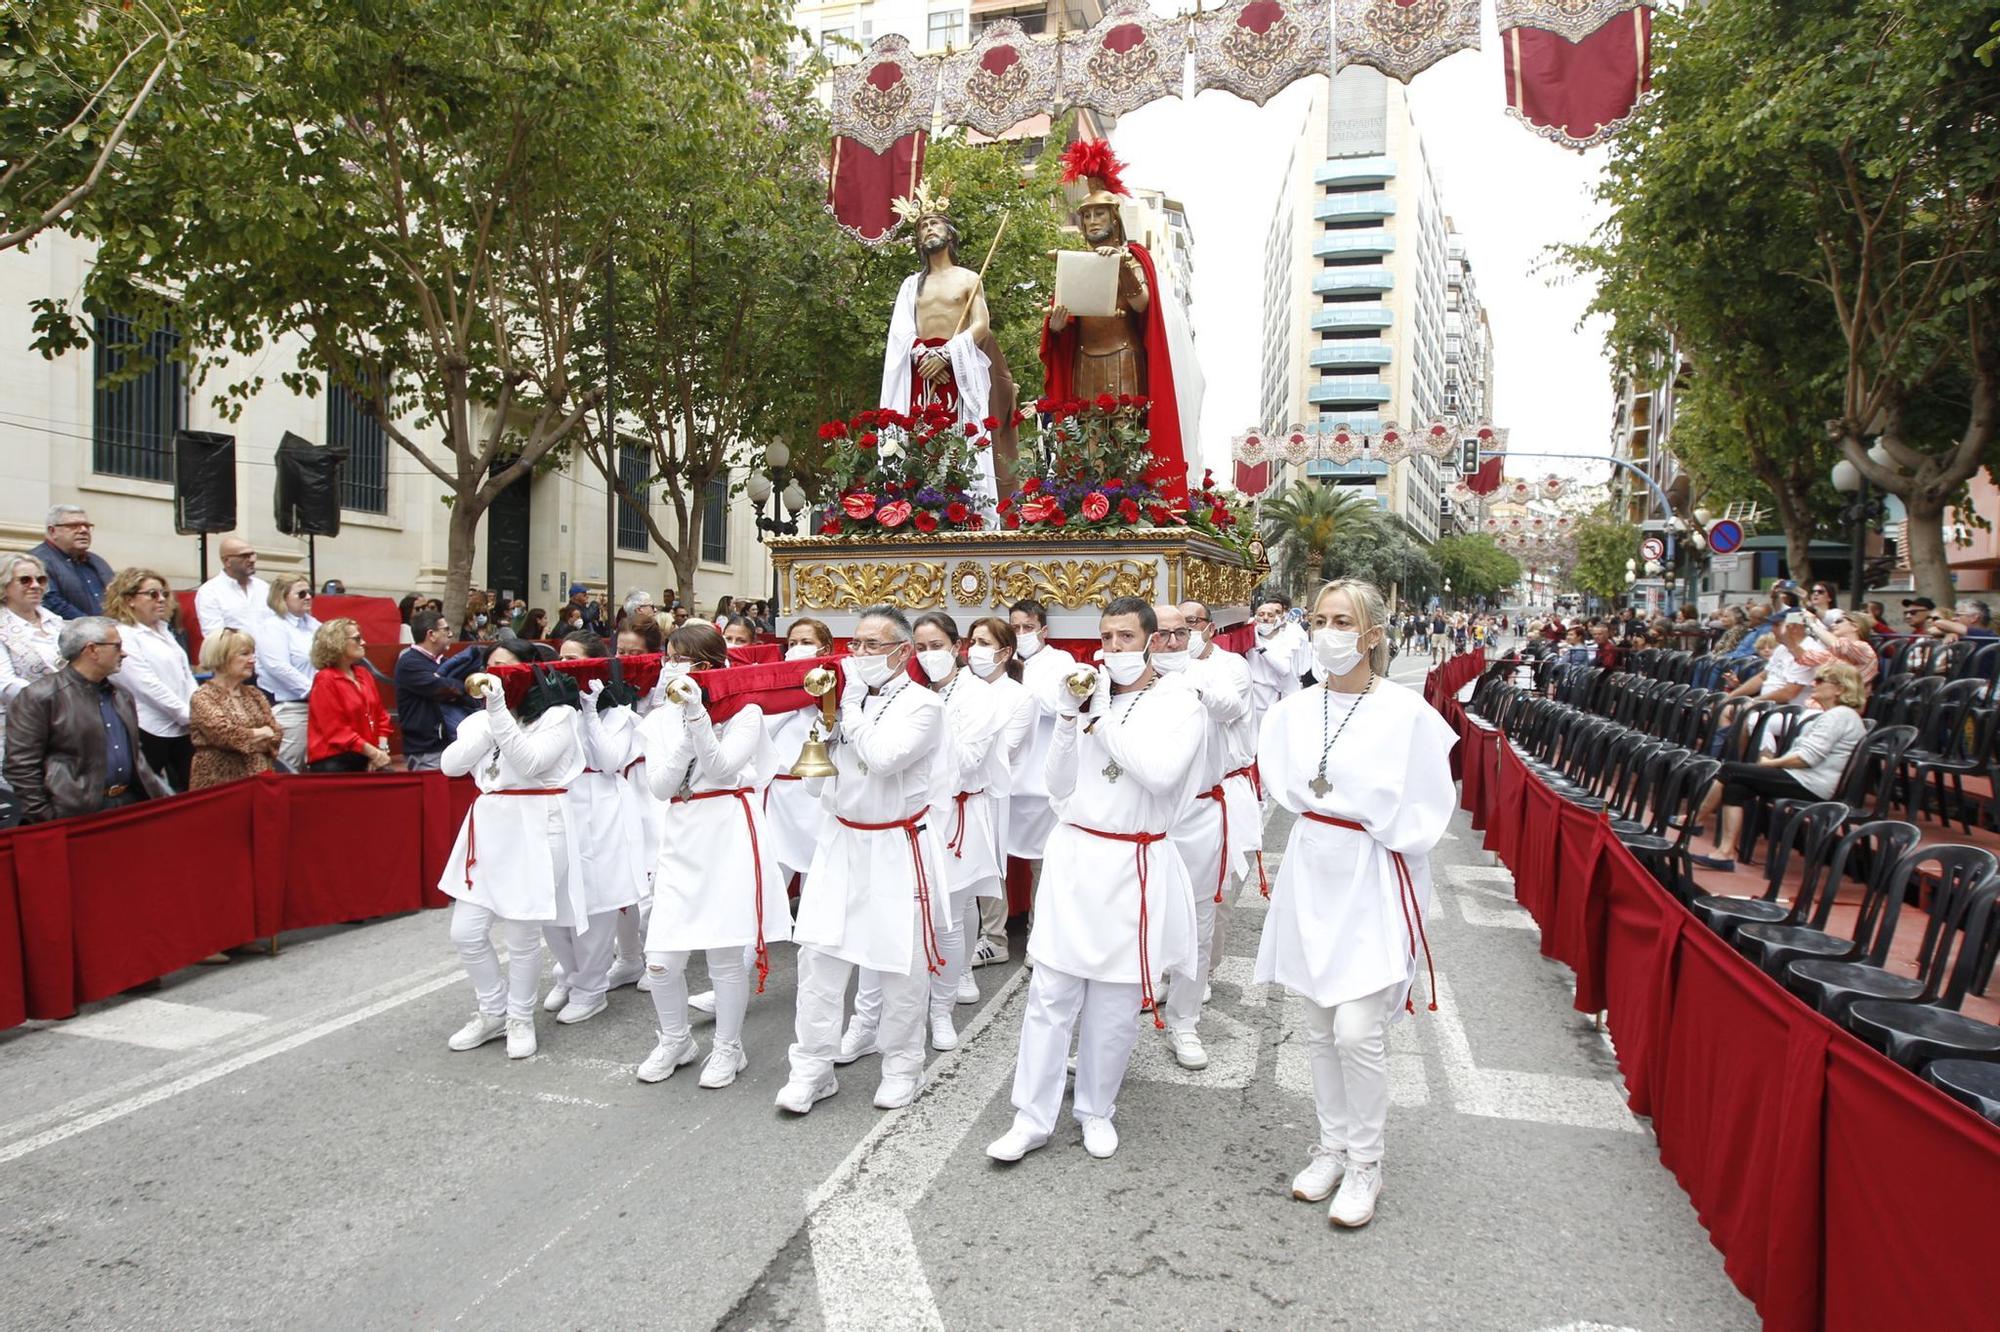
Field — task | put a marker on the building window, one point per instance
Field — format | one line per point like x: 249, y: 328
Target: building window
x: 134, y: 420
x: 945, y: 28
x: 831, y: 39
x: 715, y: 523
x: 364, y: 477
x: 632, y: 517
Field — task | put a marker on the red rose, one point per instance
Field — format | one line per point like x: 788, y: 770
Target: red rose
x: 1004, y: 506
x: 975, y: 523
x: 1128, y: 511
x: 1105, y: 402
x: 1058, y: 519
x: 1043, y: 404
x: 1031, y: 485
x: 1041, y: 509
x: 832, y: 430
x: 979, y: 441
x: 956, y: 513
x: 1095, y: 506
x: 1220, y: 516
x: 991, y: 423
x: 1158, y: 513
x: 1011, y: 521
x: 858, y: 506
x: 831, y: 527
x: 893, y: 514
x: 867, y: 441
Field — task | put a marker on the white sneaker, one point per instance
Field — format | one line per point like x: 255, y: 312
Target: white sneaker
x: 1099, y: 1138
x: 1354, y: 1205
x: 644, y: 985
x: 858, y: 1043
x: 987, y: 954
x: 725, y: 1060
x: 1014, y: 1144
x: 703, y: 1002
x: 1322, y: 1173
x: 1207, y: 993
x: 625, y: 973
x: 483, y: 1028
x: 558, y: 996
x: 968, y: 989
x: 1187, y: 1049
x: 800, y: 1097
x: 520, y: 1038
x: 944, y: 1036
x: 895, y: 1093
x: 668, y: 1055
x: 578, y: 1011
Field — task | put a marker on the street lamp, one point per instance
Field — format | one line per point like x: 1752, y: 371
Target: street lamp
x: 1848, y: 480
x: 779, y: 498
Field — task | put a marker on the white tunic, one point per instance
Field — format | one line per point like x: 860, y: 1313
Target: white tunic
x: 1222, y: 682
x: 1029, y: 818
x: 716, y: 885
x: 1341, y: 925
x: 1009, y: 748
x: 797, y: 818
x: 1088, y: 903
x: 1276, y: 663
x: 860, y: 901
x: 516, y: 855
x: 613, y: 849
x: 960, y: 790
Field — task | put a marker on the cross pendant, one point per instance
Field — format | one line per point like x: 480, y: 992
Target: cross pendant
x: 1112, y: 772
x: 1319, y: 785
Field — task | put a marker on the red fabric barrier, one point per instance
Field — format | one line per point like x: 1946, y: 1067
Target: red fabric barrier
x: 331, y: 874
x: 1535, y: 872
x: 1579, y: 910
x: 1476, y: 743
x: 775, y: 686
x: 1504, y: 809
x: 13, y: 980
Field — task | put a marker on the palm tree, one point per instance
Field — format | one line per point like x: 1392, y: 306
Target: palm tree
x: 1302, y: 521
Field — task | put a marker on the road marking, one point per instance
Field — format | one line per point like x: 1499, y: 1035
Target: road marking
x: 1241, y: 972
x: 1232, y: 1054
x: 14, y: 1151
x: 159, y: 1025
x: 870, y: 1274
x: 1537, y: 1098
x: 1479, y: 874
x: 1510, y: 917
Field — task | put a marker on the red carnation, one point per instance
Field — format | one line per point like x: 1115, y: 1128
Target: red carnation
x: 867, y: 441
x: 1058, y: 519
x: 1128, y: 511
x: 1158, y: 513
x: 1011, y: 522
x: 1095, y: 505
x: 925, y: 521
x: 1105, y: 402
x: 956, y: 513
x: 894, y: 514
x: 1031, y: 485
x: 831, y: 527
x: 858, y: 506
x: 991, y: 423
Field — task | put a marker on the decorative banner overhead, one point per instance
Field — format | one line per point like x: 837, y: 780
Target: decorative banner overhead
x: 1578, y: 93
x: 1006, y: 77
x: 1403, y: 38
x: 888, y: 93
x: 1128, y: 58
x: 1572, y: 20
x: 1341, y: 443
x: 1255, y: 48
x: 862, y: 185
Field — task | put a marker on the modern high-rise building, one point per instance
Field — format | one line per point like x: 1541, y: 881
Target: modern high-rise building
x: 1160, y: 223
x: 1359, y: 278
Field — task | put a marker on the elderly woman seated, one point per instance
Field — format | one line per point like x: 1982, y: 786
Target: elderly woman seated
x: 1809, y: 770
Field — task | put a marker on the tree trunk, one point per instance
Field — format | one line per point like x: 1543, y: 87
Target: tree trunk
x: 1923, y: 534
x: 461, y: 540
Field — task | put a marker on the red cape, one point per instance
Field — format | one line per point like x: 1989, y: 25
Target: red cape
x: 1168, y: 474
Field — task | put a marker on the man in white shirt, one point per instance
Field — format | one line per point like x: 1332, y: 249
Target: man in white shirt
x: 1280, y: 656
x: 236, y: 598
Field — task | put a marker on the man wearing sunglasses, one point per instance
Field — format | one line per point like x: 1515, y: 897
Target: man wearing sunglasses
x: 77, y: 575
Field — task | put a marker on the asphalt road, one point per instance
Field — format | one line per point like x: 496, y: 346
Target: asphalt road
x: 286, y: 1142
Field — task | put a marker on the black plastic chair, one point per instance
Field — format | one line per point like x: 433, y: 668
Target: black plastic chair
x: 1665, y: 852
x: 1963, y: 874
x: 1968, y: 749
x: 1913, y: 1034
x: 1643, y: 810
x: 1940, y: 737
x: 1884, y: 845
x: 1971, y: 1082
x: 1810, y: 828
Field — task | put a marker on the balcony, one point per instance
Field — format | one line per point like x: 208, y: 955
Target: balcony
x: 1350, y: 353
x: 1354, y: 171
x: 1338, y: 244
x: 1337, y: 280
x: 1327, y: 468
x: 1352, y: 316
x: 1349, y: 388
x: 1348, y: 207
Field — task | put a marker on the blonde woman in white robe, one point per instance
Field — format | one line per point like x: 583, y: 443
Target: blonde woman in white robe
x: 1365, y: 764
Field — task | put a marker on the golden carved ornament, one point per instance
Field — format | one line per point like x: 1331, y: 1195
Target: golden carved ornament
x: 1215, y: 584
x: 969, y: 583
x: 912, y: 585
x: 1073, y: 584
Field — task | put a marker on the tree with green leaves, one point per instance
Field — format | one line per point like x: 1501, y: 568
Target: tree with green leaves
x: 1384, y: 551
x: 1475, y: 565
x: 1302, y: 521
x: 1605, y: 543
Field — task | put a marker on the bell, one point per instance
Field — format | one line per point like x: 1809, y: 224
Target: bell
x: 813, y: 759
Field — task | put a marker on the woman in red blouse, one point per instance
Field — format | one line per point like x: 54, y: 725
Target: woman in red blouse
x: 346, y: 728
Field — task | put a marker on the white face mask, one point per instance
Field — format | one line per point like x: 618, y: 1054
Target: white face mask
x: 1125, y: 667
x: 1265, y: 630
x: 984, y: 661
x: 1027, y: 642
x: 1170, y: 661
x: 673, y: 670
x: 801, y: 651
x: 1196, y: 643
x: 1338, y: 651
x: 873, y: 672
x: 936, y: 664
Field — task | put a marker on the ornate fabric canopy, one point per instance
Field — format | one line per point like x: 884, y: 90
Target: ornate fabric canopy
x: 885, y: 95
x: 1576, y: 91
x: 1006, y: 77
x: 1128, y: 58
x: 1403, y: 38
x: 862, y: 185
x: 1257, y: 48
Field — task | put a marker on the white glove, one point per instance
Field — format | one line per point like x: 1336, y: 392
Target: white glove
x: 495, y: 699
x: 592, y: 689
x: 1067, y: 704
x: 1100, y: 700
x: 852, y: 691
x: 695, y: 708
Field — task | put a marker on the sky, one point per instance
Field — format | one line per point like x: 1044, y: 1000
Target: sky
x: 1509, y: 193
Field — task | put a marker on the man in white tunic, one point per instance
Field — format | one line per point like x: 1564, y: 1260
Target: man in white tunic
x: 876, y: 895
x: 1213, y: 840
x: 1280, y: 657
x: 1030, y: 817
x: 1115, y: 907
x: 514, y: 864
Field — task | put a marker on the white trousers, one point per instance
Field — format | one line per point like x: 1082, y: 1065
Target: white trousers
x: 898, y: 1019
x: 1110, y: 1015
x: 632, y: 930
x: 472, y: 935
x: 585, y: 958
x: 956, y: 944
x: 1349, y: 1045
x: 291, y: 717
x: 727, y: 976
x: 1183, y: 1003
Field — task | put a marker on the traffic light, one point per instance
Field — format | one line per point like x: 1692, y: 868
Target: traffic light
x: 1468, y: 455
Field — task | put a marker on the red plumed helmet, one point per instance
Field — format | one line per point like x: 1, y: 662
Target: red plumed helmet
x: 1093, y: 160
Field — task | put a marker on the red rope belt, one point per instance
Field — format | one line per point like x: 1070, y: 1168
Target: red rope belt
x: 1256, y: 778
x: 1406, y: 894
x: 1222, y: 811
x: 742, y: 794
x: 957, y: 842
x: 933, y: 955
x: 626, y: 771
x: 1139, y: 841
x: 472, y: 820
x: 776, y: 777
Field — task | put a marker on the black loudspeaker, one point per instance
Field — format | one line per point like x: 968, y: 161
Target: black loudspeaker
x: 307, y: 493
x: 204, y: 482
